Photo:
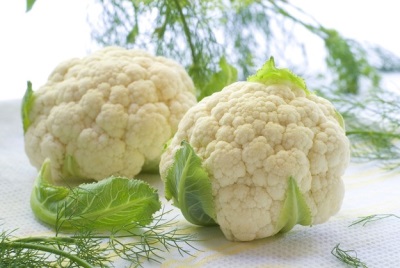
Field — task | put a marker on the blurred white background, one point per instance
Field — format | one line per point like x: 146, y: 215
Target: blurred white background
x: 33, y: 43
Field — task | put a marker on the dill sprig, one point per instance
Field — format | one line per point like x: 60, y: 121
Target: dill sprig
x: 348, y: 257
x: 372, y: 125
x: 50, y: 251
x: 209, y: 31
x: 133, y: 242
x: 147, y: 242
x: 372, y: 218
x: 199, y: 34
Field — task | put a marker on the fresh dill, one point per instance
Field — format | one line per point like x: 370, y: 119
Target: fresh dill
x: 210, y: 30
x: 348, y: 257
x: 372, y: 125
x: 372, y: 218
x: 133, y: 242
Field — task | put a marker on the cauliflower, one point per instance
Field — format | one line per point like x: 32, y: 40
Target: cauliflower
x: 258, y: 157
x: 109, y: 113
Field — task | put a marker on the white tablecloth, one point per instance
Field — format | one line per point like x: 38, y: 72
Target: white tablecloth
x: 369, y: 190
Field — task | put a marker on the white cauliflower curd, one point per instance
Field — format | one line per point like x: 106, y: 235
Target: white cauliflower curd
x: 109, y: 113
x: 258, y: 157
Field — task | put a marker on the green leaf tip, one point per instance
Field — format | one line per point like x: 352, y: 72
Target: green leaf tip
x: 29, y: 4
x: 26, y: 107
x: 109, y: 203
x: 188, y: 185
x: 44, y: 188
x: 294, y: 210
x: 268, y: 74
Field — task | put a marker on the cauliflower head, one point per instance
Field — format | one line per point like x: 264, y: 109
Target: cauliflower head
x: 274, y: 154
x: 109, y: 113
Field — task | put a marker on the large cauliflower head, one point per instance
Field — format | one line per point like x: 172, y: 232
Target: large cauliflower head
x: 261, y: 143
x: 109, y: 113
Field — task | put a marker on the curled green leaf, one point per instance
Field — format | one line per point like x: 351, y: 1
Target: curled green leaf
x: 112, y: 202
x: 188, y: 185
x: 268, y: 74
x: 295, y: 209
x: 26, y: 107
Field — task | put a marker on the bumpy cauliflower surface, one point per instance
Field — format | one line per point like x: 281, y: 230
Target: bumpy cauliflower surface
x: 252, y: 137
x: 109, y: 113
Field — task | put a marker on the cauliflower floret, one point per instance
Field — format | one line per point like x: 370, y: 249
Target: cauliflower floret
x: 109, y: 113
x: 251, y: 138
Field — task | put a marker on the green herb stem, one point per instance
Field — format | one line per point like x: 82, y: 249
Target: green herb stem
x: 133, y: 242
x: 390, y: 135
x: 45, y: 239
x: 372, y: 218
x: 186, y: 30
x: 48, y: 249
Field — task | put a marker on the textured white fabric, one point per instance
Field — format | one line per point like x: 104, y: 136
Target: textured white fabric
x: 369, y: 190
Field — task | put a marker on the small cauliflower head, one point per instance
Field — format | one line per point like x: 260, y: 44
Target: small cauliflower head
x: 109, y: 113
x: 258, y: 157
